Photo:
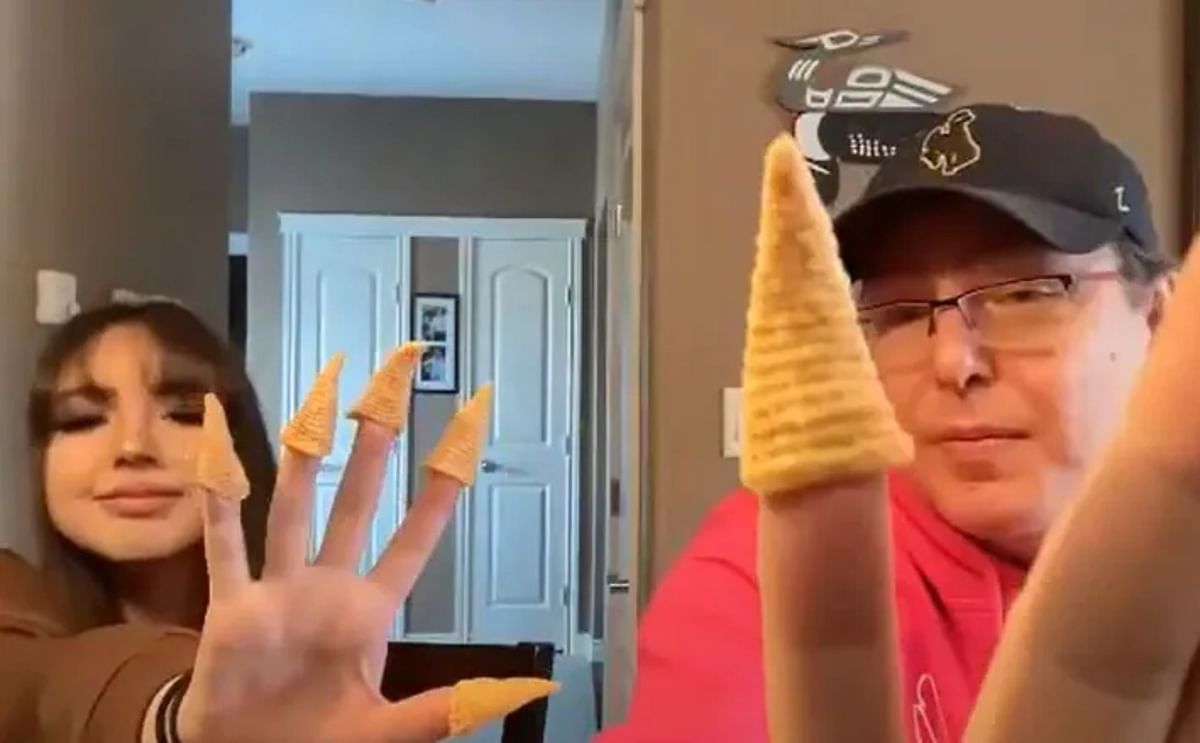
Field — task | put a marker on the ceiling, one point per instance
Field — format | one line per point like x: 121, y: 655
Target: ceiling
x: 529, y: 49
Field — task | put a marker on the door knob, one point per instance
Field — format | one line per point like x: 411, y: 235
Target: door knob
x: 488, y: 465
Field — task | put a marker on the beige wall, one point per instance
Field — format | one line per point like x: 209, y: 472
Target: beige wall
x: 401, y: 156
x: 431, y: 606
x: 709, y: 117
x: 113, y: 136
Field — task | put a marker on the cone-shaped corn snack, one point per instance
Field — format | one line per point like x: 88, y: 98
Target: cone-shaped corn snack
x: 457, y: 453
x: 218, y: 468
x: 1100, y: 643
x: 818, y: 436
x: 813, y: 409
x: 476, y: 702
x: 311, y: 429
x: 389, y: 392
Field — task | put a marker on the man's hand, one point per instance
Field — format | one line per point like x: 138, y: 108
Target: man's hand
x: 818, y: 438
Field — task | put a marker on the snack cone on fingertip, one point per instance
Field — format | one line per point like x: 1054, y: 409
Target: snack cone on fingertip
x: 311, y: 430
x: 813, y: 408
x: 386, y: 400
x: 457, y: 453
x: 218, y: 469
x: 476, y: 702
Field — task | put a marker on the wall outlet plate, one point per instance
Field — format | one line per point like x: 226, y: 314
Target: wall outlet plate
x: 731, y: 422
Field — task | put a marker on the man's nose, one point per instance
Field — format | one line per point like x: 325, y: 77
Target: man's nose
x: 960, y: 361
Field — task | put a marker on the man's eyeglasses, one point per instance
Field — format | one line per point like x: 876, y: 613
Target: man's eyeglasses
x: 1019, y: 315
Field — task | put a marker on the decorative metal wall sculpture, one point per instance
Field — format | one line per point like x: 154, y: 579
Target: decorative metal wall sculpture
x: 853, y: 113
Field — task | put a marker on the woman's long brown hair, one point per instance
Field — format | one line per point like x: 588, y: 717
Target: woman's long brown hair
x: 76, y: 578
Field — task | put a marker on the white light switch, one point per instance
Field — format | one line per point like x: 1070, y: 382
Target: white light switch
x: 731, y: 422
x: 56, y: 297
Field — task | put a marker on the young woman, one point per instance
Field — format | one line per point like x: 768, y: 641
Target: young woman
x: 115, y: 409
x: 148, y: 620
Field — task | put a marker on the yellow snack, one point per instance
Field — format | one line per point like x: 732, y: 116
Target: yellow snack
x: 476, y: 702
x: 457, y: 453
x: 389, y: 392
x: 218, y: 468
x: 812, y: 405
x: 311, y: 430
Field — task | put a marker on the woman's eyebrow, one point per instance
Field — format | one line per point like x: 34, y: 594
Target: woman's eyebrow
x: 91, y: 392
x: 181, y: 386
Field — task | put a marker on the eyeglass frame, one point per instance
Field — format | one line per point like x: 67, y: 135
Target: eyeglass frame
x: 1070, y: 282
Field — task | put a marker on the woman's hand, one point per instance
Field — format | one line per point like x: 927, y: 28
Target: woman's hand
x: 298, y: 655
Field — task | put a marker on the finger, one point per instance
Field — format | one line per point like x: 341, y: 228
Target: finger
x: 289, y: 521
x: 828, y: 624
x: 818, y: 434
x: 224, y: 545
x: 423, y: 718
x: 357, y: 496
x: 307, y: 438
x: 221, y: 485
x: 381, y: 412
x: 466, y: 707
x: 450, y: 466
x: 413, y: 543
x: 457, y: 453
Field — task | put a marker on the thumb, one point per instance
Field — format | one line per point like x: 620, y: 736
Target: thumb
x: 456, y: 710
x: 424, y: 718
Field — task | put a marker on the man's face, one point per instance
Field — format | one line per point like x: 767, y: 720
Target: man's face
x: 1003, y: 436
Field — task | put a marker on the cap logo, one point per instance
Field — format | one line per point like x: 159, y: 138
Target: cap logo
x: 951, y: 147
x: 1122, y: 206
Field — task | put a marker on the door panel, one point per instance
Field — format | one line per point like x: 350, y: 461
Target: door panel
x: 520, y: 333
x: 346, y: 295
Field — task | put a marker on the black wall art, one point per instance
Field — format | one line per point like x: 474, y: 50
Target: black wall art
x: 847, y: 110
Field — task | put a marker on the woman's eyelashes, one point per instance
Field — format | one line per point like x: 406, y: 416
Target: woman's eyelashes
x: 181, y: 411
x: 187, y: 417
x: 78, y: 422
x: 186, y: 410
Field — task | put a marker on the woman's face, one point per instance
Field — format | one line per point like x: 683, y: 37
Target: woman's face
x: 119, y: 458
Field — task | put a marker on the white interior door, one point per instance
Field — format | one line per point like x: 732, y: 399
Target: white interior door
x: 345, y: 291
x: 520, y: 330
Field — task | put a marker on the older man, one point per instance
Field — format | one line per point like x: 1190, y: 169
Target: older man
x: 1009, y: 282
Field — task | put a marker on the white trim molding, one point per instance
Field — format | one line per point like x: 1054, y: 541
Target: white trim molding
x: 460, y: 227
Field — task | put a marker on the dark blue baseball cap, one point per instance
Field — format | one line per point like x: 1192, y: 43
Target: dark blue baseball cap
x: 1055, y: 174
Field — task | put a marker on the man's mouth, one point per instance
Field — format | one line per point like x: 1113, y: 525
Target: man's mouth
x: 979, y: 434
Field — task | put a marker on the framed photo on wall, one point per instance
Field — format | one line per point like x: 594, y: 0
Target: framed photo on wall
x: 435, y: 324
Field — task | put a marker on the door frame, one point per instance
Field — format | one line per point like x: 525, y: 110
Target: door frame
x: 627, y: 451
x: 466, y: 231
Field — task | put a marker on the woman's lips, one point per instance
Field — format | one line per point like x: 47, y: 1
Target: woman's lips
x: 139, y: 503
